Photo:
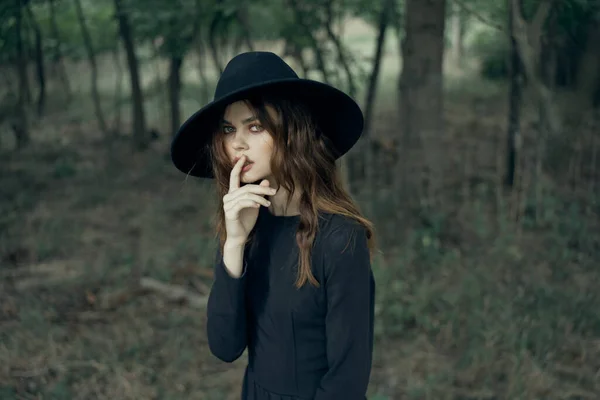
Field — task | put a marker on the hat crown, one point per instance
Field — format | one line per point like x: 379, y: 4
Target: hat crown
x: 252, y: 68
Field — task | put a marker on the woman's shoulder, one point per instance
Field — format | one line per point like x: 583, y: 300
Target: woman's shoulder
x: 337, y: 230
x: 344, y: 242
x: 330, y: 221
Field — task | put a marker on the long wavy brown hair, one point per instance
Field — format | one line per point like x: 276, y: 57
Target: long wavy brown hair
x: 301, y: 157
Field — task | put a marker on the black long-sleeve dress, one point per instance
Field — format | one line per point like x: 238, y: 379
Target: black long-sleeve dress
x: 308, y: 343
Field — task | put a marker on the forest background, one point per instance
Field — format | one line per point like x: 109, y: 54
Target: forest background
x: 478, y: 166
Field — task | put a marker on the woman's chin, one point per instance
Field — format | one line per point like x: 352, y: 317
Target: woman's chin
x: 249, y: 178
x: 253, y: 181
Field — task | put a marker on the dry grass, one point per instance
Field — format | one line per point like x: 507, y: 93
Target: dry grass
x: 82, y: 238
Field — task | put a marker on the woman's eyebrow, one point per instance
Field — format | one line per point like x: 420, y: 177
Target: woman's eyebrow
x: 244, y: 121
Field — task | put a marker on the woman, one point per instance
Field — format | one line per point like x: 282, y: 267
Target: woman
x: 293, y: 281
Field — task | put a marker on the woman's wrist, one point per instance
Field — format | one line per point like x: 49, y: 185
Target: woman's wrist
x: 233, y: 258
x: 233, y: 244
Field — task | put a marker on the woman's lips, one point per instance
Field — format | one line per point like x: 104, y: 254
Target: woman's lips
x: 236, y: 159
x: 247, y: 167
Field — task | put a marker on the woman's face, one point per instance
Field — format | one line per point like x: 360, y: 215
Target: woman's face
x: 243, y: 134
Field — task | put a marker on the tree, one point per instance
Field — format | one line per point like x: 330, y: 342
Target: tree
x: 141, y: 138
x: 89, y: 47
x: 421, y: 84
x: 175, y: 32
x: 57, y: 56
x: 528, y: 38
x: 39, y: 60
x: 515, y: 76
x: 459, y: 20
x: 386, y: 14
x: 21, y: 123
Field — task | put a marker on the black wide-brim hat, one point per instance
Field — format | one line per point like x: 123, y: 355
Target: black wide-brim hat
x: 338, y: 116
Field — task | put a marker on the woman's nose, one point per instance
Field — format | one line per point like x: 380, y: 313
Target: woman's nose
x: 238, y: 141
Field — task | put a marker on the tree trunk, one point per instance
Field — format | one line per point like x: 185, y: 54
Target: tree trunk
x: 57, y: 55
x: 212, y: 41
x: 21, y: 126
x: 339, y: 48
x: 514, y: 103
x: 174, y: 92
x: 370, y: 100
x: 39, y: 62
x: 313, y: 41
x: 528, y: 36
x: 421, y: 84
x: 373, y: 79
x: 398, y: 30
x: 118, y: 88
x: 26, y: 41
x: 242, y: 17
x: 163, y: 86
x: 588, y: 74
x: 292, y: 49
x: 140, y: 136
x: 87, y: 40
x: 201, y: 51
x: 459, y: 23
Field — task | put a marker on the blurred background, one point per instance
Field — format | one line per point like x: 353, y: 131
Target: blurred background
x: 478, y: 165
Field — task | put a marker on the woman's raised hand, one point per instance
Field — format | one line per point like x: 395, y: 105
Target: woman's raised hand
x: 241, y: 205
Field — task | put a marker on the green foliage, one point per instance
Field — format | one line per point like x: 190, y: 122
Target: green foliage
x: 370, y: 11
x: 8, y: 393
x: 426, y: 240
x: 60, y: 391
x: 64, y: 168
x: 7, y: 32
x: 492, y: 49
x: 503, y: 297
x: 568, y: 24
x: 274, y: 22
x: 492, y: 12
x: 573, y: 16
x: 33, y: 319
x: 379, y: 397
x: 171, y: 25
x: 99, y: 19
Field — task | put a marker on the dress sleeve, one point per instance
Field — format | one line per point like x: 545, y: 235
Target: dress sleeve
x: 350, y: 291
x: 226, y: 313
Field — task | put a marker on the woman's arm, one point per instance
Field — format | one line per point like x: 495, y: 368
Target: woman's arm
x: 226, y: 320
x: 350, y: 290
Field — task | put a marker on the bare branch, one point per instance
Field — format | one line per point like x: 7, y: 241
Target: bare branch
x: 518, y: 15
x: 478, y: 16
x: 528, y: 39
x: 174, y: 292
x: 540, y: 17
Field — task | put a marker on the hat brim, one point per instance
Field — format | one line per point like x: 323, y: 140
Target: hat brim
x: 339, y: 118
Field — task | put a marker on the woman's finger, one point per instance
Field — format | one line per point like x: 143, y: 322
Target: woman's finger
x: 248, y: 189
x: 234, y: 209
x: 247, y: 196
x: 234, y: 177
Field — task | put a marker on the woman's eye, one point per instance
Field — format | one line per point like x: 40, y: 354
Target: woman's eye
x: 227, y: 129
x: 256, y: 128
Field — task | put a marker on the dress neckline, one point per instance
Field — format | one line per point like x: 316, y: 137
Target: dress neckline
x: 279, y: 218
